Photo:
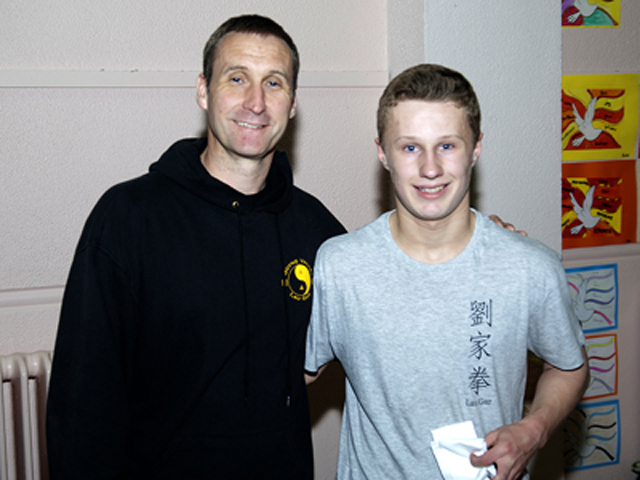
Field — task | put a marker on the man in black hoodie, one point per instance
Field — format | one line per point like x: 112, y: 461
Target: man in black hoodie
x: 180, y: 347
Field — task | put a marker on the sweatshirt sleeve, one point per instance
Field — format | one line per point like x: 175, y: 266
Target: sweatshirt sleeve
x: 87, y: 413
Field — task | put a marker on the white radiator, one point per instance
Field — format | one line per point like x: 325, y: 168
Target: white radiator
x: 23, y: 399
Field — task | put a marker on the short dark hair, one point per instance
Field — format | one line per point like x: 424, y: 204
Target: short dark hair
x: 248, y: 24
x: 431, y: 83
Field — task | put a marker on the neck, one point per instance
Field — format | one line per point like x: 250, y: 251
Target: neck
x: 436, y: 241
x: 246, y: 175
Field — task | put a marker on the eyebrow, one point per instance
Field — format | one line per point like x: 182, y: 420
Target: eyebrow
x: 243, y: 68
x: 415, y: 138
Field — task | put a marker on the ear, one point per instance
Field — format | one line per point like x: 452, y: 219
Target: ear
x: 381, y: 155
x: 294, y: 107
x: 477, y: 149
x: 202, y: 92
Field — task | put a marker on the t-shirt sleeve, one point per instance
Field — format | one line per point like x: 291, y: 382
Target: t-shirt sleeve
x: 555, y: 333
x: 318, y: 347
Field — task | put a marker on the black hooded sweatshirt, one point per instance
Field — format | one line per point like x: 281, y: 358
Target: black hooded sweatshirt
x: 180, y: 348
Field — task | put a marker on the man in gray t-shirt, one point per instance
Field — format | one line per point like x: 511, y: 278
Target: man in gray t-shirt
x: 431, y: 308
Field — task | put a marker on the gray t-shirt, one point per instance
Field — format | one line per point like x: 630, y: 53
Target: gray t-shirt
x: 425, y: 346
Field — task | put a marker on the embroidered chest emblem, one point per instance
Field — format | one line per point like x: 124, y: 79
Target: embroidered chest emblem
x: 297, y: 278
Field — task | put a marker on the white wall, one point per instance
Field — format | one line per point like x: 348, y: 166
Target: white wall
x: 73, y: 126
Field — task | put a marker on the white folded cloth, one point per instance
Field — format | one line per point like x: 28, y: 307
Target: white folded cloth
x: 452, y: 446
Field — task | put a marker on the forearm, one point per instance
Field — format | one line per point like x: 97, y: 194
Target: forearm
x: 511, y: 447
x: 557, y: 393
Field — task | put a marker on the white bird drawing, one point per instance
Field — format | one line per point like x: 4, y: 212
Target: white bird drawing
x: 584, y: 212
x: 585, y: 125
x: 585, y: 9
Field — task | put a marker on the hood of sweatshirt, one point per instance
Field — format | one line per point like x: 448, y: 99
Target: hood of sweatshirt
x: 181, y: 163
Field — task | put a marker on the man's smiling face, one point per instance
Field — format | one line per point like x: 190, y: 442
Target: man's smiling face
x: 249, y: 100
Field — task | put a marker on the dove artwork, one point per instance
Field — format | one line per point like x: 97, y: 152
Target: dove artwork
x: 585, y: 216
x: 591, y: 123
x: 598, y: 203
x: 590, y: 13
x: 599, y: 117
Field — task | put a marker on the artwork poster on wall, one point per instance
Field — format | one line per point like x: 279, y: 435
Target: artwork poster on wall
x: 602, y: 351
x: 599, y: 117
x: 599, y: 205
x: 594, y: 296
x: 591, y: 13
x: 592, y: 436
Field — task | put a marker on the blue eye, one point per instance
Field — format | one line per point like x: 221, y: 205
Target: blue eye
x: 236, y: 79
x: 447, y: 146
x: 410, y: 148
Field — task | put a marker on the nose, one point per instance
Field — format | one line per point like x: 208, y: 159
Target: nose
x: 431, y: 166
x: 254, y: 99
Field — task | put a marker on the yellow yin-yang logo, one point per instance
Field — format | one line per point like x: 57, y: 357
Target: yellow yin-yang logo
x: 297, y: 278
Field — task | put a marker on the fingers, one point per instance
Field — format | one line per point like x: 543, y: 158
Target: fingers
x: 503, y: 452
x: 509, y: 226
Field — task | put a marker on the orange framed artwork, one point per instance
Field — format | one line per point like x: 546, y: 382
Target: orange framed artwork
x: 599, y: 205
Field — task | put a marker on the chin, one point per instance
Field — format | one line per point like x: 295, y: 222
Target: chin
x: 256, y: 154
